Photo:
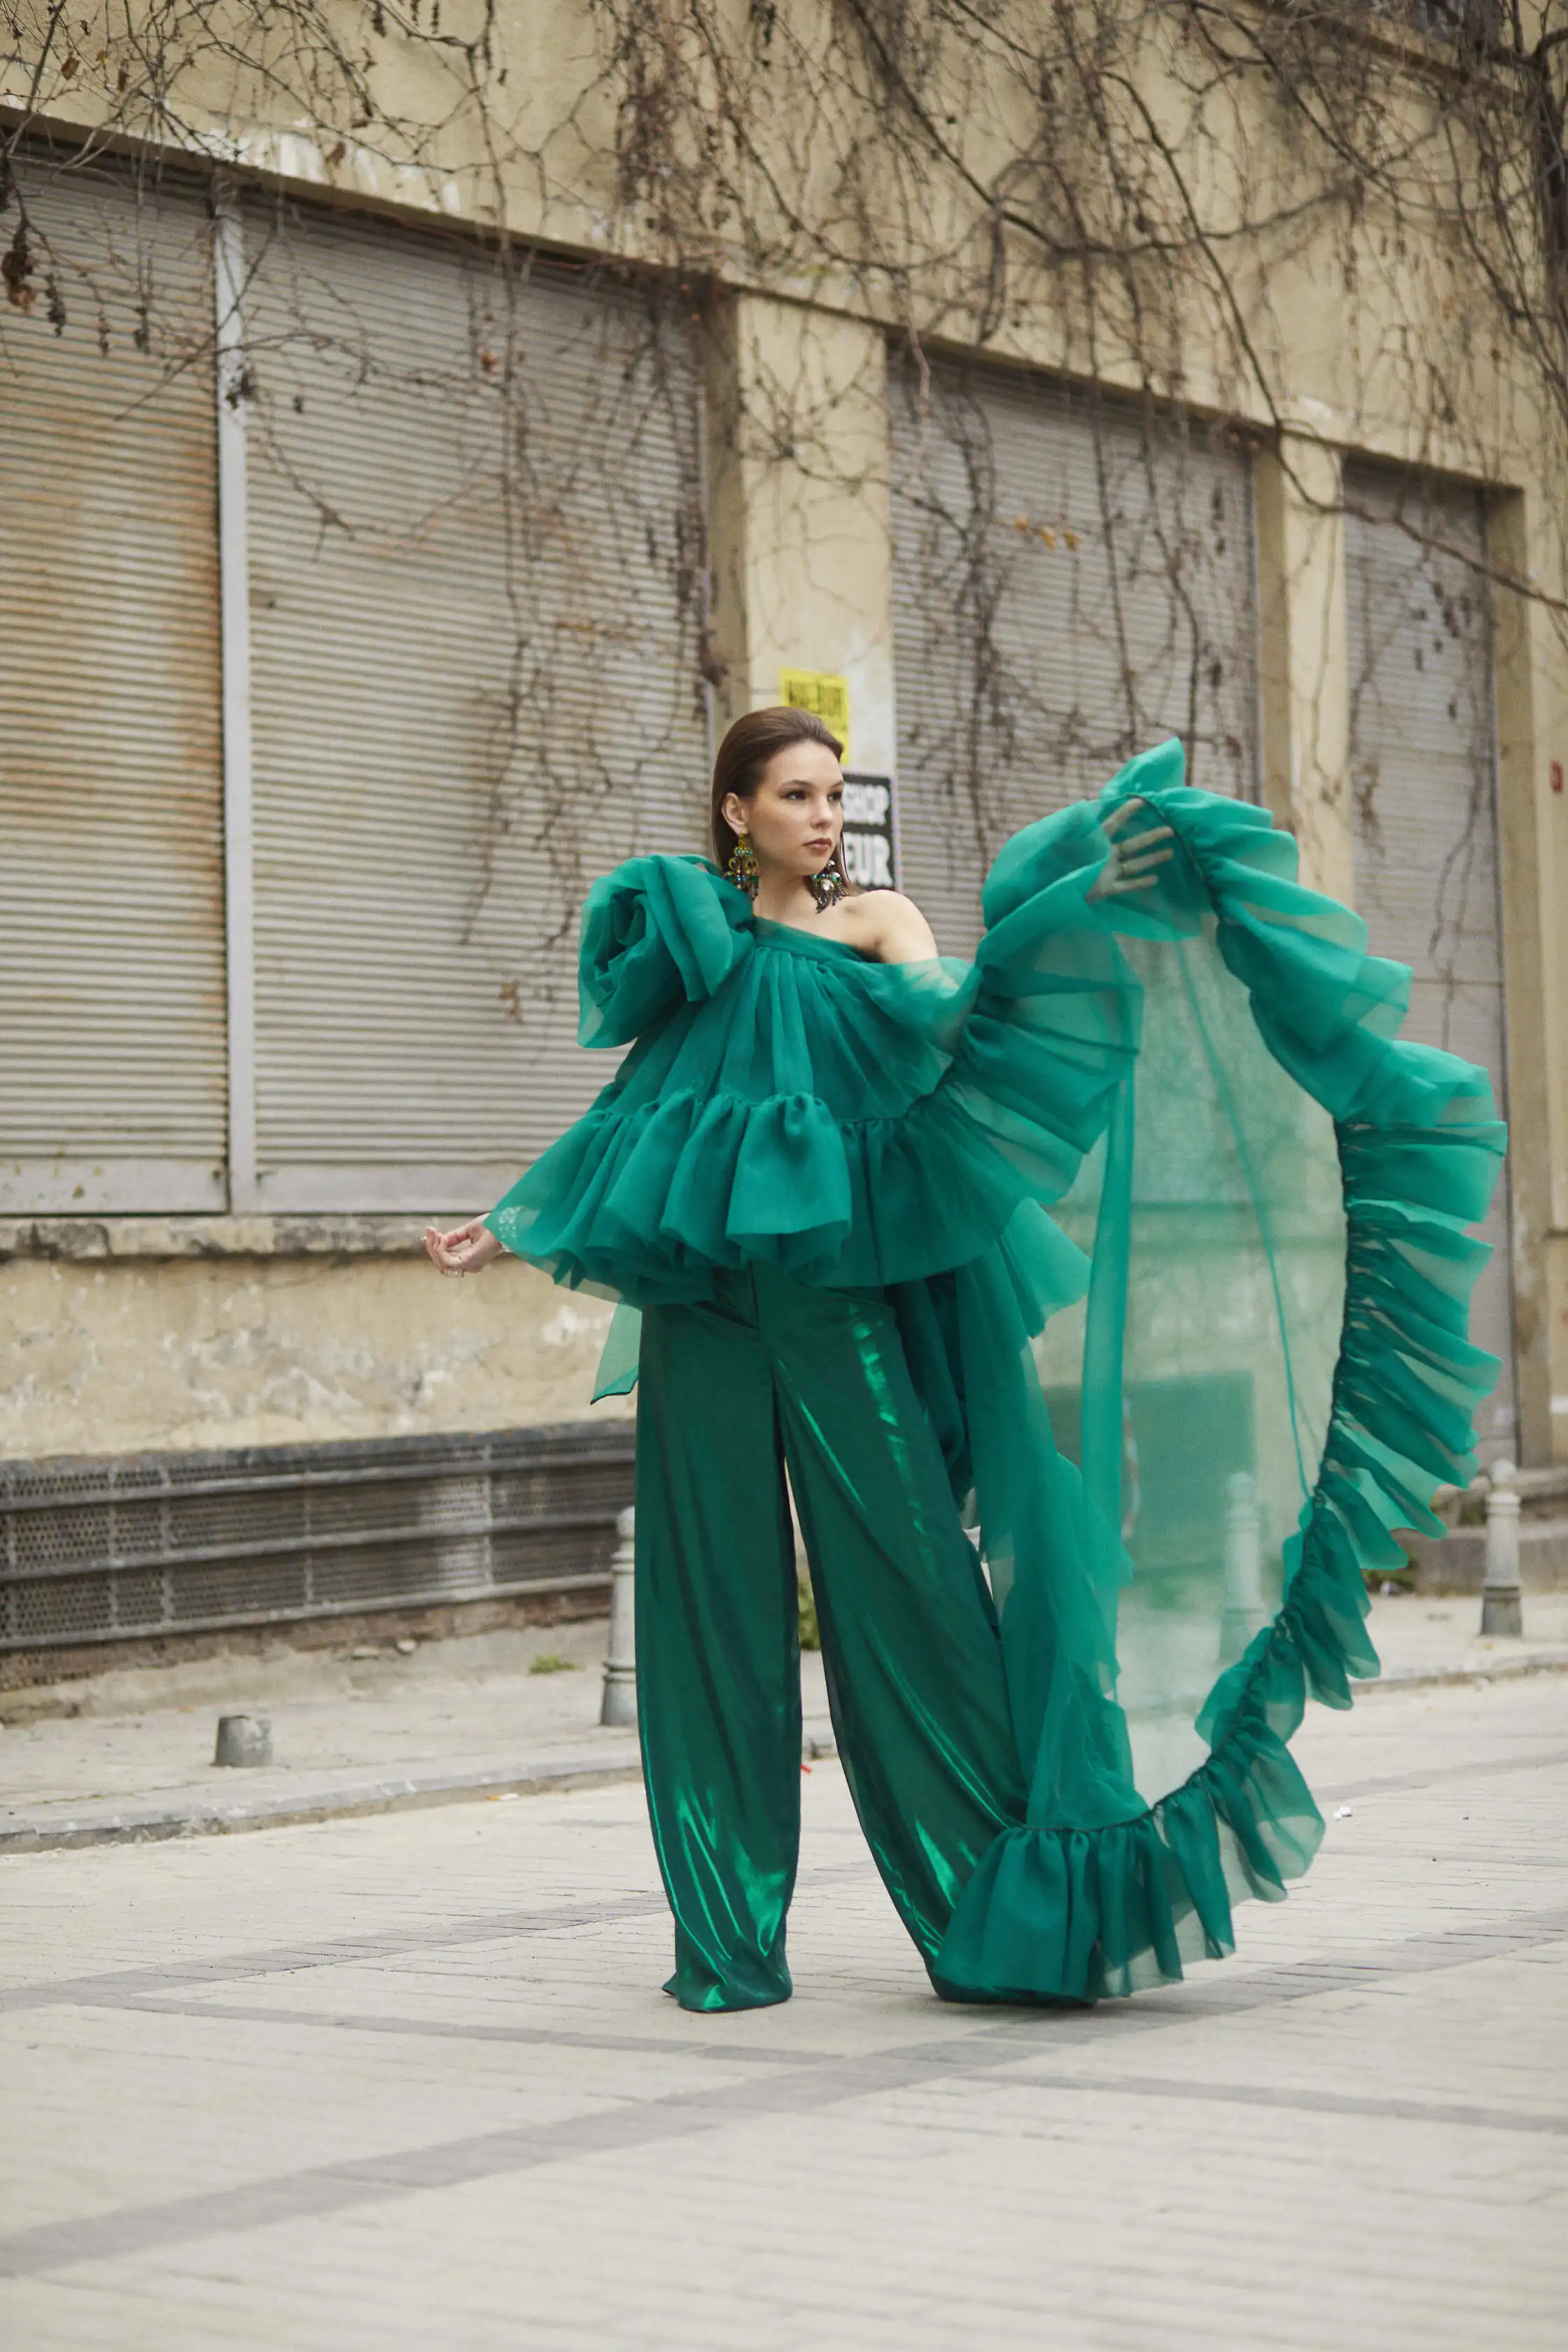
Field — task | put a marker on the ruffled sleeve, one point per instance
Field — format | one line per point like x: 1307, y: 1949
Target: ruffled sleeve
x: 1055, y: 1025
x: 1067, y: 849
x: 655, y: 932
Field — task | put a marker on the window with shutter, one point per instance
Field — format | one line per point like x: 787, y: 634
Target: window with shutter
x: 112, y: 1052
x: 1073, y: 579
x: 1424, y: 775
x: 475, y: 558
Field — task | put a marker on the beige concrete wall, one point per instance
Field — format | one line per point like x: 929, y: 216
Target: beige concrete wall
x: 1303, y: 655
x: 1532, y: 729
x: 1555, y: 1290
x: 798, y: 481
x: 124, y: 1354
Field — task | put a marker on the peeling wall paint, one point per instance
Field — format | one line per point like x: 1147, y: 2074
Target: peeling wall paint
x: 127, y: 1356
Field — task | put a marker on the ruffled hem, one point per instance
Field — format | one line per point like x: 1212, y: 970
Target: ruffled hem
x: 646, y: 1204
x: 1057, y: 1912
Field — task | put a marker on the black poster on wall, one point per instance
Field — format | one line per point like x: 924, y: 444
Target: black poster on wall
x: 870, y: 832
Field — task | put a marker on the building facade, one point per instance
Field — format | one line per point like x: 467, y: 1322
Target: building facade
x: 379, y: 579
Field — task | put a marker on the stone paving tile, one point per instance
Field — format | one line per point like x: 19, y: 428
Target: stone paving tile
x: 410, y: 2082
x: 107, y: 1779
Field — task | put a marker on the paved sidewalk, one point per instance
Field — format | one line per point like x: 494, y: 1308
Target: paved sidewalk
x: 368, y: 1732
x: 1421, y: 1639
x: 409, y: 2083
x: 377, y: 1732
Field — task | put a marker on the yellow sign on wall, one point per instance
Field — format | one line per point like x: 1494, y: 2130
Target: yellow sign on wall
x: 816, y: 689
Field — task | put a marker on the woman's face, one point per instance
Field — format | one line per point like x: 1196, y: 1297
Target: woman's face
x: 796, y: 813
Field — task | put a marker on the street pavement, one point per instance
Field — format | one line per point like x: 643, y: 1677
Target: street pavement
x: 409, y: 2081
x: 371, y: 1730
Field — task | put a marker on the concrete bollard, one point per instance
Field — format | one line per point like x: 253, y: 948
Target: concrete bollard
x: 1501, y: 1609
x: 1246, y: 1609
x: 243, y: 1739
x: 620, y: 1700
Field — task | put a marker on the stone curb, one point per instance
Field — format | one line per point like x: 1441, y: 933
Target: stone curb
x: 1506, y: 1669
x: 193, y: 1812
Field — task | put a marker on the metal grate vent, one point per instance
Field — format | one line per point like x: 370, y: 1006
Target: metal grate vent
x: 122, y: 1547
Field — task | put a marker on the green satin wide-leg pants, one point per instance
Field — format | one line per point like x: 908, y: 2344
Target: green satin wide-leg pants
x: 773, y: 1373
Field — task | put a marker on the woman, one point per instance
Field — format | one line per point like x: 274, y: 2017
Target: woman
x: 820, y: 1176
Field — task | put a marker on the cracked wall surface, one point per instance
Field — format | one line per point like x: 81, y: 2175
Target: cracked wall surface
x: 149, y: 1355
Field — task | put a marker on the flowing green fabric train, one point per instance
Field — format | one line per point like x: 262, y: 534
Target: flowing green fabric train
x: 1084, y: 1900
x: 1186, y: 1409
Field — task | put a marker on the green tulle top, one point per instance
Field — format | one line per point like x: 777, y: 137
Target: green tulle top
x: 788, y: 1099
x: 1179, y: 1235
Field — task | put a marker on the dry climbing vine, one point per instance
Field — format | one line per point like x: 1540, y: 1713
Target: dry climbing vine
x: 1141, y: 196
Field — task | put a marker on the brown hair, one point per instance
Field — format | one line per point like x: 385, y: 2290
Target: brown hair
x: 745, y: 752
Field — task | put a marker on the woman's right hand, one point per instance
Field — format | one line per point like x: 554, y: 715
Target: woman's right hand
x: 1131, y: 863
x: 463, y: 1250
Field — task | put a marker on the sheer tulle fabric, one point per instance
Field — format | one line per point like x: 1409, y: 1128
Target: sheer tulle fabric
x: 1186, y: 1411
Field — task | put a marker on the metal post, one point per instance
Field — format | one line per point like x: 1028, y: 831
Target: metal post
x: 620, y: 1701
x: 1500, y: 1610
x: 1246, y: 1611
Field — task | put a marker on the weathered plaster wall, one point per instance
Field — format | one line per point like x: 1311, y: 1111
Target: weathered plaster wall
x: 143, y: 1353
x: 1303, y: 666
x: 798, y: 484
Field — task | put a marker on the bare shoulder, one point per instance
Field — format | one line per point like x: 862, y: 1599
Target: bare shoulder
x: 887, y: 925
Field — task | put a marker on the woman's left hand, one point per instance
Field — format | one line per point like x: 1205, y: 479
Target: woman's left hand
x: 463, y: 1250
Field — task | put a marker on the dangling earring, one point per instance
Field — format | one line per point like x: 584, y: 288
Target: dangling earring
x: 828, y: 886
x: 741, y: 870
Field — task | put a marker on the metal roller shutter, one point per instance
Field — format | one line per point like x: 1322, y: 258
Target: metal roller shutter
x: 1423, y: 743
x: 112, y: 1052
x: 1073, y: 579
x: 475, y: 560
